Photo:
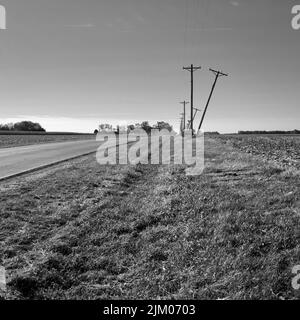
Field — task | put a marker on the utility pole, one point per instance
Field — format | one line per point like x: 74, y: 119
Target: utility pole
x: 192, y: 69
x: 196, y: 111
x: 194, y: 116
x: 184, y: 112
x: 181, y: 124
x: 217, y: 75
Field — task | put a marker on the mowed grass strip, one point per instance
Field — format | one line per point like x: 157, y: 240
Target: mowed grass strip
x: 147, y: 232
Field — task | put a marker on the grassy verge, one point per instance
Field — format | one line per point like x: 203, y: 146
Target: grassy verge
x: 24, y: 139
x: 91, y: 232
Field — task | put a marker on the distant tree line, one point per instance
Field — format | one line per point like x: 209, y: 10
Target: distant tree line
x: 212, y: 133
x: 270, y: 132
x: 22, y: 126
x: 143, y: 125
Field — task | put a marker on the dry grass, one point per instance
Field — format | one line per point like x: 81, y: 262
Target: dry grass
x: 145, y: 232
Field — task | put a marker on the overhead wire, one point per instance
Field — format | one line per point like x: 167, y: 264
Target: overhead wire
x: 186, y: 21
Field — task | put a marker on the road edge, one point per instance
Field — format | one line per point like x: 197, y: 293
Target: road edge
x: 44, y: 166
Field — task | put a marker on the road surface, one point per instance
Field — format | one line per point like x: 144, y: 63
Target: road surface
x: 18, y: 160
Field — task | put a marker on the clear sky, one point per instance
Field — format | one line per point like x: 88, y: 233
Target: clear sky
x: 72, y: 64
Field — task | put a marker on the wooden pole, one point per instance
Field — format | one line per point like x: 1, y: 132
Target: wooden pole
x: 217, y: 74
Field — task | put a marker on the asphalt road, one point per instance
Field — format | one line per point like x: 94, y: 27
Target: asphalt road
x: 17, y: 160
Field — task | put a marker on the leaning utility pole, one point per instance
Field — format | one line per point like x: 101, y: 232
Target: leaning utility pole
x: 196, y: 111
x: 217, y: 74
x: 184, y: 104
x: 194, y: 116
x: 192, y: 69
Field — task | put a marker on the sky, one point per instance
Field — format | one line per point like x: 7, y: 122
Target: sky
x: 73, y: 64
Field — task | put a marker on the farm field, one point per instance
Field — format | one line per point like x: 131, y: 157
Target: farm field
x: 16, y: 140
x: 283, y: 149
x: 84, y: 231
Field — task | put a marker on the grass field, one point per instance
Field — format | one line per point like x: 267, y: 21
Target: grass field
x: 283, y: 149
x: 24, y: 139
x: 84, y: 231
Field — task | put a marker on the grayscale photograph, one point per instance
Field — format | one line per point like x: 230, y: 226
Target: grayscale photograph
x: 149, y: 151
